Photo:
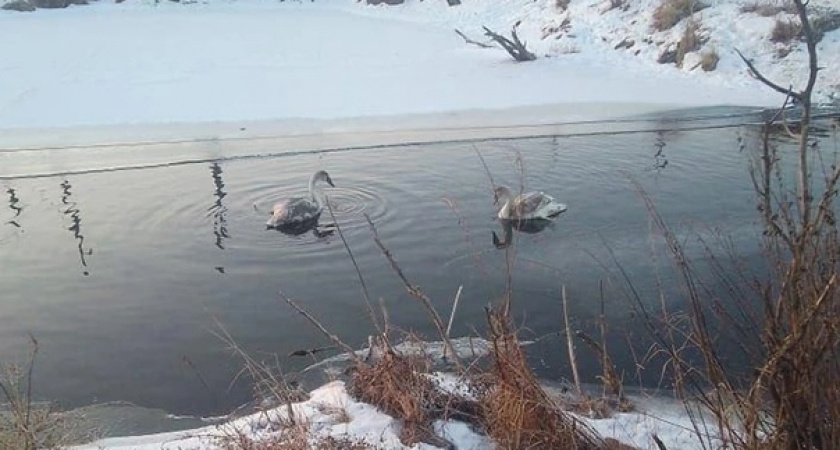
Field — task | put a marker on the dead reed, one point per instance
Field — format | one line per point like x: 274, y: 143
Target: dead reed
x: 517, y: 411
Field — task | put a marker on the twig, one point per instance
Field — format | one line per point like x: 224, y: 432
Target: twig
x: 757, y: 75
x: 415, y: 292
x: 486, y: 169
x: 470, y: 41
x: 454, y: 308
x: 338, y: 342
x: 571, y: 346
x: 365, y: 292
x: 452, y: 316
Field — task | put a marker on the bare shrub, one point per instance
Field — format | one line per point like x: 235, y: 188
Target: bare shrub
x: 787, y: 323
x: 785, y: 31
x: 671, y: 12
x: 289, y: 438
x: 562, y: 5
x: 768, y: 8
x: 517, y: 412
x: 395, y: 384
x: 28, y: 425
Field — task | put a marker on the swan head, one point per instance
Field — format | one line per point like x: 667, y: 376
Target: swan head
x: 500, y: 194
x: 322, y: 175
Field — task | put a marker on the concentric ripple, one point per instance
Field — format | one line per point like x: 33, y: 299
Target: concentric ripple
x: 350, y: 204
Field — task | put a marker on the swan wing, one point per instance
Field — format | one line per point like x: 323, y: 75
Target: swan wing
x: 295, y: 210
x: 536, y: 205
x: 530, y: 203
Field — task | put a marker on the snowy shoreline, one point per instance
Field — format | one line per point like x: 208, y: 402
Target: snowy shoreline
x: 138, y: 64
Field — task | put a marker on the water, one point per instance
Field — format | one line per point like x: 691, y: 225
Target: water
x: 124, y: 277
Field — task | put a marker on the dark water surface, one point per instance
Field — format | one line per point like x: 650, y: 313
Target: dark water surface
x: 122, y: 275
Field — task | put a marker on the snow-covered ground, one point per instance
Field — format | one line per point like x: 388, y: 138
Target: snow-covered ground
x: 142, y: 62
x: 331, y: 412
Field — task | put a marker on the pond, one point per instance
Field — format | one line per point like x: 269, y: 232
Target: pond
x: 126, y: 276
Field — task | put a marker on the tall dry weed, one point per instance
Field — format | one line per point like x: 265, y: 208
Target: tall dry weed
x: 517, y: 411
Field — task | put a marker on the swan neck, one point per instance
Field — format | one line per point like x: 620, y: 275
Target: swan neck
x: 316, y: 193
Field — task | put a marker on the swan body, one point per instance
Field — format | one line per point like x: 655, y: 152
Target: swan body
x: 297, y: 211
x: 527, y: 206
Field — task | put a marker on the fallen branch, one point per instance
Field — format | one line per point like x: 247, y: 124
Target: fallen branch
x: 470, y: 41
x: 514, y: 47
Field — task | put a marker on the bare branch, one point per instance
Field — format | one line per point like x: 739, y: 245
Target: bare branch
x: 757, y: 75
x: 470, y: 41
x: 515, y: 47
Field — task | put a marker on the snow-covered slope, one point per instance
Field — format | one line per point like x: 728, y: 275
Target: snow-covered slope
x: 139, y: 62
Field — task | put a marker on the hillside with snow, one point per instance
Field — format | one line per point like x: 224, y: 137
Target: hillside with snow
x: 148, y: 62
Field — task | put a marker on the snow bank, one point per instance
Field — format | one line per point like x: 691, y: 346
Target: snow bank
x: 140, y: 62
x: 331, y: 412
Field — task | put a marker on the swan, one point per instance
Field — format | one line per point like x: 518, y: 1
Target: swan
x: 527, y: 206
x: 300, y: 210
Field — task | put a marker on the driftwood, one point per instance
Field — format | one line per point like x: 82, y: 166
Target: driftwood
x: 470, y: 41
x: 514, y: 47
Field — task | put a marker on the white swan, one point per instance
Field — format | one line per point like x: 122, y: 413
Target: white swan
x: 299, y: 210
x: 527, y: 206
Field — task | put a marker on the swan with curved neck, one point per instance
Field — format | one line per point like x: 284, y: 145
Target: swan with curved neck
x: 298, y: 210
x: 527, y: 206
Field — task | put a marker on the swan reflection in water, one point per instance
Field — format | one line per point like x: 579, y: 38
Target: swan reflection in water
x: 300, y: 228
x: 529, y: 226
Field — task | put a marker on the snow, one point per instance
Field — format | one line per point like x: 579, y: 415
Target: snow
x: 140, y: 62
x: 331, y: 412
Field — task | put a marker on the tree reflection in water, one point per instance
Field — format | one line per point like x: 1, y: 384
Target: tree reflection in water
x: 14, y: 205
x: 74, y: 214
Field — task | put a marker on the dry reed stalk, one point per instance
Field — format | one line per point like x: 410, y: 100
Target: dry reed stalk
x: 396, y: 385
x: 417, y: 293
x: 569, y: 344
x: 518, y: 413
x: 362, y: 283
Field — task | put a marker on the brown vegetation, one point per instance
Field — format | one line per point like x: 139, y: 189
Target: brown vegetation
x: 27, y: 425
x: 787, y: 324
x: 289, y: 438
x: 671, y: 12
x: 517, y: 411
x: 396, y: 384
x: 689, y: 42
x: 785, y: 31
x: 709, y: 60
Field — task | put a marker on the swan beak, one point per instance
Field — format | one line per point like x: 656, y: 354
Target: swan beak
x: 329, y: 181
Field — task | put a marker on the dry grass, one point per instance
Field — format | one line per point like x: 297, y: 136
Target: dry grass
x: 768, y: 8
x: 25, y: 425
x: 518, y: 413
x: 400, y: 386
x: 689, y: 42
x: 786, y: 325
x: 671, y: 12
x: 290, y: 438
x: 785, y: 31
x: 395, y: 384
x: 709, y: 60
